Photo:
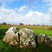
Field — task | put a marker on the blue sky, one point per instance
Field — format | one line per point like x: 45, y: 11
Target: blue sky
x: 26, y: 11
x: 32, y: 4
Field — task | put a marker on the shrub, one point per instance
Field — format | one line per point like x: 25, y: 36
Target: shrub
x: 2, y: 33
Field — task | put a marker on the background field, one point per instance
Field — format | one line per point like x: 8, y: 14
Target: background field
x: 36, y: 29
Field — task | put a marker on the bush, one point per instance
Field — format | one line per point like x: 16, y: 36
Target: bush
x: 2, y: 33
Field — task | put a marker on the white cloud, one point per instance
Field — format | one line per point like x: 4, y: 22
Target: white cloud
x: 23, y: 9
x: 49, y: 6
x: 36, y: 17
x: 31, y: 17
x: 32, y: 13
x: 9, y: 16
x: 49, y: 1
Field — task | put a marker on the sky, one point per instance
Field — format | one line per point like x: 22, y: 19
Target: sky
x: 26, y: 11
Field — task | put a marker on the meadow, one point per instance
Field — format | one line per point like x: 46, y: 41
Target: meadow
x: 36, y: 29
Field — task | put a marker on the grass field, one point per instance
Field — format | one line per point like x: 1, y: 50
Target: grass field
x: 36, y: 29
x: 47, y: 32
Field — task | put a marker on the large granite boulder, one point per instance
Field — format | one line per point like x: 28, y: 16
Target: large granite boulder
x: 47, y: 40
x: 27, y: 38
x: 41, y: 38
x: 10, y: 36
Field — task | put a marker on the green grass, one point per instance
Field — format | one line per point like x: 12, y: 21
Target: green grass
x: 47, y: 32
x: 7, y: 48
x: 43, y: 48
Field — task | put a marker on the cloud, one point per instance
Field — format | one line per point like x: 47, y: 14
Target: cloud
x: 13, y: 16
x: 36, y: 17
x: 23, y: 9
x: 49, y: 1
x: 9, y: 16
x: 49, y: 6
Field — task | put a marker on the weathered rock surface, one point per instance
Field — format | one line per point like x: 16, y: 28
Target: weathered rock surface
x: 42, y: 38
x: 27, y: 38
x: 10, y: 36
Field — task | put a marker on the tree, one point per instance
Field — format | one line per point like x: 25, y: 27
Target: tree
x: 21, y: 24
x: 4, y: 23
